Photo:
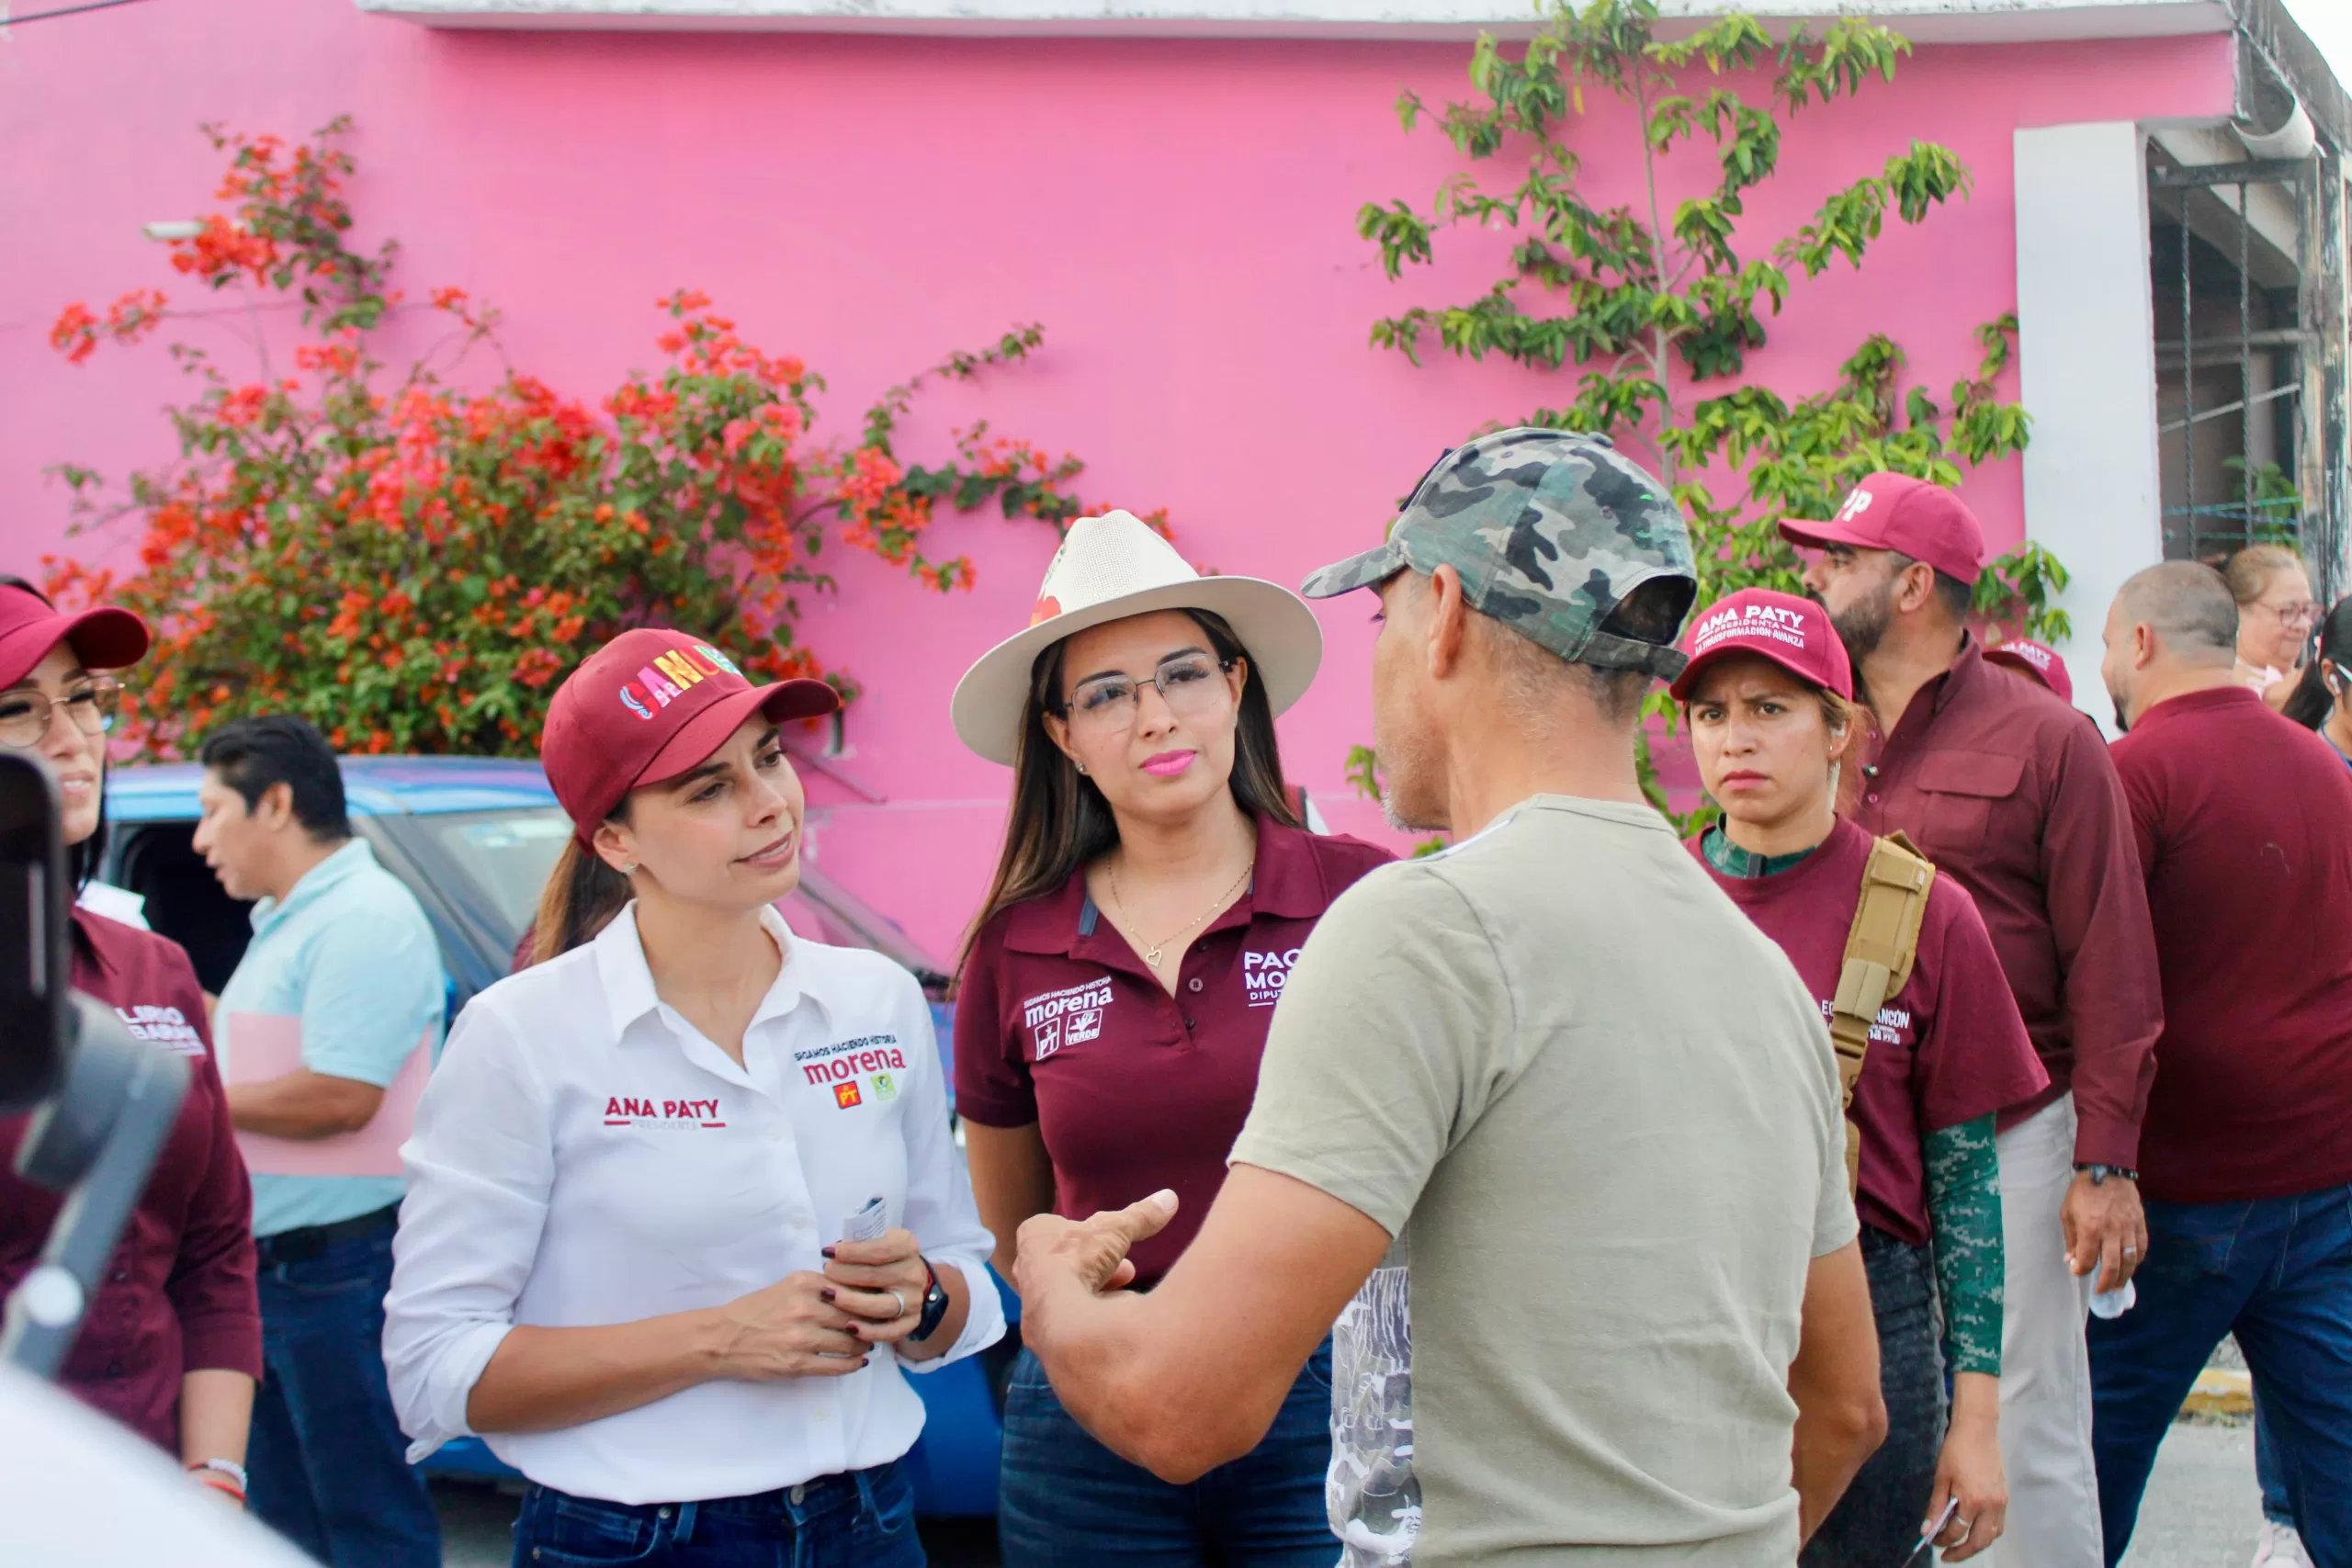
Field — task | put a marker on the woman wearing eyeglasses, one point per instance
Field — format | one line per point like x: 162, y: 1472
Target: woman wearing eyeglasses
x: 2276, y: 614
x: 1154, y: 887
x: 171, y: 1344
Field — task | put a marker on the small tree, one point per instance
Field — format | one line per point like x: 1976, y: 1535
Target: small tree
x: 411, y: 565
x: 1659, y: 314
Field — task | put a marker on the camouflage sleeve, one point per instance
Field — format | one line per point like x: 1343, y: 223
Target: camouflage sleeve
x: 1964, y: 1208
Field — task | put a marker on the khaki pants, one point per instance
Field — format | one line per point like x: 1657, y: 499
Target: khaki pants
x: 2045, y: 1364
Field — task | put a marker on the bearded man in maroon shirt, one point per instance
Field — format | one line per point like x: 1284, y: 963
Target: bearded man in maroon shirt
x: 2011, y: 791
x: 2244, y: 825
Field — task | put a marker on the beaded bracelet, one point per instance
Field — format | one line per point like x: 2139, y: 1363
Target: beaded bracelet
x: 222, y: 1475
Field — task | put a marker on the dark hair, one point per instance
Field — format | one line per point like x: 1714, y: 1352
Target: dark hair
x: 252, y: 756
x: 1652, y: 611
x: 580, y: 899
x: 82, y: 860
x: 1059, y: 821
x: 2311, y: 702
x: 1959, y: 598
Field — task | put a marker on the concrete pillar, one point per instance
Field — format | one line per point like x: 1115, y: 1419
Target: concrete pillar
x: 2087, y: 356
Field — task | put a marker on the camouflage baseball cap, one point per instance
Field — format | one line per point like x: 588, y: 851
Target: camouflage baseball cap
x: 1550, y: 529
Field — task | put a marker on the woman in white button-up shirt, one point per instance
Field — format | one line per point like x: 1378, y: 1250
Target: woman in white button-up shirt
x: 622, y: 1258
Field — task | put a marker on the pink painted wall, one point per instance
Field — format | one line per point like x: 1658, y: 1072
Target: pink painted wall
x: 1180, y: 216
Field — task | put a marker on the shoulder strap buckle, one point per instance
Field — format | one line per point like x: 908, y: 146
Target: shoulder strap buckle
x: 1881, y: 946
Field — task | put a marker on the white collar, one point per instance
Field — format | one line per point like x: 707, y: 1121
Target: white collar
x: 627, y: 981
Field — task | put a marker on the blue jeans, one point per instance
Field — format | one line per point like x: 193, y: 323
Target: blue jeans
x: 327, y: 1460
x: 2271, y: 1472
x: 1064, y: 1501
x: 1878, y: 1518
x: 864, y: 1520
x: 2278, y: 1273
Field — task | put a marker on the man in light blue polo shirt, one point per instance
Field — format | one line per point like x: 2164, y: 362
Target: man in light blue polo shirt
x: 338, y: 999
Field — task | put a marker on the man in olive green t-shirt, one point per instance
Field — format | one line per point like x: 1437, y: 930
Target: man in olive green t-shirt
x: 1551, y: 1074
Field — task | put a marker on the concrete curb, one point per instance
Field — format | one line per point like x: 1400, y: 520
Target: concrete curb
x: 2221, y: 1391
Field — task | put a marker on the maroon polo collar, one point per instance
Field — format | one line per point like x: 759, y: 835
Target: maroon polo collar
x: 86, y: 942
x: 1288, y: 884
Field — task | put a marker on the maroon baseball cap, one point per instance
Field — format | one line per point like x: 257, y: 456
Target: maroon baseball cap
x: 1793, y: 633
x: 1893, y: 512
x: 2041, y: 662
x: 649, y: 705
x: 103, y: 638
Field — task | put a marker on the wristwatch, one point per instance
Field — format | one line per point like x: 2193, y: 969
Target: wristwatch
x: 934, y: 1304
x: 2100, y: 1173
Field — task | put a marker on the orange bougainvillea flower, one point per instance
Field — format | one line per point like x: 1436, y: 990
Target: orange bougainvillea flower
x: 415, y: 558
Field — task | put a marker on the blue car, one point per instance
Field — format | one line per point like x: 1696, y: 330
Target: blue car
x: 474, y: 838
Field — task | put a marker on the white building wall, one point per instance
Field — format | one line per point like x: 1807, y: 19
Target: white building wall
x: 2088, y: 364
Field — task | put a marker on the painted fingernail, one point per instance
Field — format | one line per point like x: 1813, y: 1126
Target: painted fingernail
x: 824, y: 1295
x: 825, y: 1252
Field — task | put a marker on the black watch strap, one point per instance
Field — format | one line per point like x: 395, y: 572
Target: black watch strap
x: 2100, y: 1173
x: 934, y: 1304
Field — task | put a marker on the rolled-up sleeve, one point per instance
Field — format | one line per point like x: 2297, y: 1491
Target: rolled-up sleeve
x: 2106, y: 948
x: 940, y: 1211
x: 480, y: 1166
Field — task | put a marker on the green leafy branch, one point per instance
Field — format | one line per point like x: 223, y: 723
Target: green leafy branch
x: 1657, y: 304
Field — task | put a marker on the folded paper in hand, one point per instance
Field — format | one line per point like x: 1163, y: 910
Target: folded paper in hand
x: 263, y: 1046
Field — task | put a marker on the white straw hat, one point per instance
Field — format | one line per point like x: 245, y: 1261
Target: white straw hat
x: 1113, y: 566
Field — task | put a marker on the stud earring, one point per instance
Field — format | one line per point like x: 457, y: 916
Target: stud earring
x: 1081, y: 767
x: 630, y: 869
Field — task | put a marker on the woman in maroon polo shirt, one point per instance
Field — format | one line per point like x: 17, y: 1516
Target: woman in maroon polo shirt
x: 1154, y: 888
x: 1766, y: 695
x: 171, y: 1344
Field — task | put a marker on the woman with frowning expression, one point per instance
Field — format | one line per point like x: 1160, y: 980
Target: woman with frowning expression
x: 1769, y: 695
x: 1154, y: 887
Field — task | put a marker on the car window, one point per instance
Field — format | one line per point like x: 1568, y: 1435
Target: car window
x: 507, y: 854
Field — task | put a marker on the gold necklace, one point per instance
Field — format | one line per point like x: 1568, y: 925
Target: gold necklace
x: 1151, y: 954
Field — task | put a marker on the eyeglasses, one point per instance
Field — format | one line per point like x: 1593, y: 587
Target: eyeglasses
x: 1188, y: 683
x: 2303, y: 614
x: 26, y: 715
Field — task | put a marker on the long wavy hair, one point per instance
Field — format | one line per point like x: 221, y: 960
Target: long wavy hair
x: 1059, y: 820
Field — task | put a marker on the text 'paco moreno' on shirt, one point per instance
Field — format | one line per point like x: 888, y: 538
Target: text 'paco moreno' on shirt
x: 686, y: 1181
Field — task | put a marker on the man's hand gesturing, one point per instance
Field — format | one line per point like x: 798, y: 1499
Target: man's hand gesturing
x: 1055, y: 1253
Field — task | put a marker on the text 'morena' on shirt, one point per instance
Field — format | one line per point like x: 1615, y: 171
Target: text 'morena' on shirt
x: 1058, y: 1022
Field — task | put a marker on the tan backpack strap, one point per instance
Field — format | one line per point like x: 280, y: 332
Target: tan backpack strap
x: 1881, y: 946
